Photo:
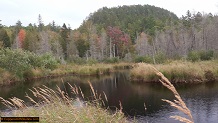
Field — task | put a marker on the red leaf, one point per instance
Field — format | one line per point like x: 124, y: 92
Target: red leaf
x: 21, y: 37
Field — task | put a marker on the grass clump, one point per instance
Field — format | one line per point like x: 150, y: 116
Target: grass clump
x: 159, y: 58
x: 143, y: 72
x: 94, y: 69
x: 177, y: 71
x: 87, y: 69
x: 146, y: 59
x: 4, y: 77
x: 57, y: 106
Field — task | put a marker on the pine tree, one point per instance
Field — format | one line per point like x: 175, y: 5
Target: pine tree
x: 64, y: 39
x: 4, y: 38
x: 41, y: 25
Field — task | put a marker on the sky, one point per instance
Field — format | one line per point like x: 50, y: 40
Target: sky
x: 74, y: 12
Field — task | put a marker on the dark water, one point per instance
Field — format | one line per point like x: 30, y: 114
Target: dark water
x: 202, y: 99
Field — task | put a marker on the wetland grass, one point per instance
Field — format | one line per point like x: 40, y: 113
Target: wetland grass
x: 178, y: 103
x: 7, y: 78
x: 55, y: 106
x: 94, y: 69
x: 177, y: 71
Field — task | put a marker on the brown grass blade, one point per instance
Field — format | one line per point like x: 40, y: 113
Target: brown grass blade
x: 178, y: 103
x: 93, y: 91
x: 182, y: 119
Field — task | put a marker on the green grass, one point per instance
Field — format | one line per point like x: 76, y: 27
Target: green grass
x: 6, y: 77
x: 94, y: 69
x: 82, y: 69
x: 177, y: 71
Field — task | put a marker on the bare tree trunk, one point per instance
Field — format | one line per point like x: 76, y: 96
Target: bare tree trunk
x: 114, y: 50
x: 110, y: 49
x: 87, y: 55
x: 153, y: 51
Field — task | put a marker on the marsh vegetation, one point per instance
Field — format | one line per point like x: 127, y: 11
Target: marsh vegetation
x: 145, y: 37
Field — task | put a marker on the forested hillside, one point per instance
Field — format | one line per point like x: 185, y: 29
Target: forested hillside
x: 133, y: 19
x: 132, y: 33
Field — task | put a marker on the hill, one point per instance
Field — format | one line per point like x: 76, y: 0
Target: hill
x: 132, y: 19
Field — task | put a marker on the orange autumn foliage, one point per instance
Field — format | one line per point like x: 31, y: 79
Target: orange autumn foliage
x: 21, y: 37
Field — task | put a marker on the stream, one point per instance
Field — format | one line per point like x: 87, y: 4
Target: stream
x: 201, y: 99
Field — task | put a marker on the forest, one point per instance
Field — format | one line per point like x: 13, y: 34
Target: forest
x: 112, y: 43
x: 129, y: 33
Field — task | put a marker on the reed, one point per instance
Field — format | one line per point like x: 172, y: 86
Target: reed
x: 178, y: 103
x: 55, y: 106
x: 177, y: 71
x: 93, y: 69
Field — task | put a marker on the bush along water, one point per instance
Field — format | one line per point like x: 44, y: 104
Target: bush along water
x: 200, y: 55
x: 18, y: 61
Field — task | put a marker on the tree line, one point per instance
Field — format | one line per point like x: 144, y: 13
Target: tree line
x: 124, y: 32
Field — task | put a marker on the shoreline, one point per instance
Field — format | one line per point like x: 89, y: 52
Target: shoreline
x: 175, y: 81
x: 69, y: 70
x: 176, y: 72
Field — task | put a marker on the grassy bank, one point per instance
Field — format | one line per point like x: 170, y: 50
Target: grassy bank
x: 55, y: 107
x: 177, y: 71
x: 7, y: 77
x: 94, y: 69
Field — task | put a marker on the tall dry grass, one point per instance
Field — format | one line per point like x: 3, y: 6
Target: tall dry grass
x: 177, y: 71
x: 178, y: 103
x: 94, y: 69
x: 55, y: 106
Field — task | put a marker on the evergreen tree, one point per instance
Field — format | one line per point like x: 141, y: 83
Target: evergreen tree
x: 41, y: 25
x: 0, y: 24
x: 54, y: 27
x: 4, y: 38
x: 64, y: 39
x: 18, y: 26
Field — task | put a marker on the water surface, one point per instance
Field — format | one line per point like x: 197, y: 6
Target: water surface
x: 202, y: 99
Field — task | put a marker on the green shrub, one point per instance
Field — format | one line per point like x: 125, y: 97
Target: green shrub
x: 78, y: 60
x: 91, y: 61
x: 193, y: 56
x: 139, y: 59
x: 112, y: 60
x: 47, y: 61
x: 160, y: 58
x: 15, y: 61
x: 19, y: 62
x: 200, y: 55
x: 206, y: 55
x: 145, y: 59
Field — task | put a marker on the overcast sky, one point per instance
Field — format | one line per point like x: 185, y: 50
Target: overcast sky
x: 73, y: 12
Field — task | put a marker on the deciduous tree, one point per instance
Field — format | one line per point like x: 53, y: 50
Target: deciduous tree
x: 119, y: 39
x: 21, y: 37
